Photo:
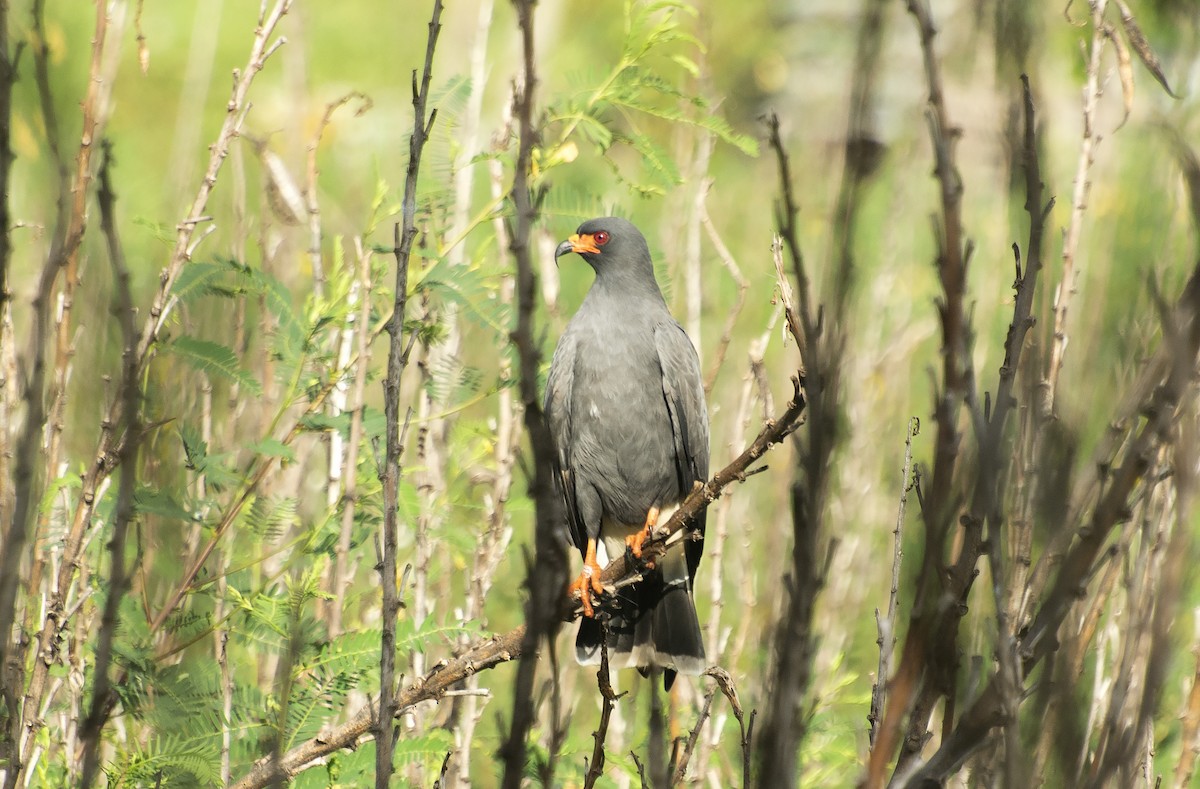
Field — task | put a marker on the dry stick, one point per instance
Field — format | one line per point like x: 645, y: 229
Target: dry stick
x: 311, y: 201
x: 739, y: 279
x: 1152, y: 583
x: 928, y: 660
x: 820, y: 346
x: 887, y: 626
x: 994, y: 449
x: 690, y: 746
x: 341, y: 460
x: 1092, y: 90
x: 398, y: 355
x: 118, y: 581
x: 719, y: 642
x: 609, y: 699
x: 746, y: 727
x: 235, y: 111
x: 490, y: 652
x: 361, y: 330
x: 498, y: 532
x: 548, y: 574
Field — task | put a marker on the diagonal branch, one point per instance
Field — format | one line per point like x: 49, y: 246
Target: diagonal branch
x: 491, y: 652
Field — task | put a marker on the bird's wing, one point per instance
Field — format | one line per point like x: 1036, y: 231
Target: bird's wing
x: 558, y: 417
x: 683, y: 392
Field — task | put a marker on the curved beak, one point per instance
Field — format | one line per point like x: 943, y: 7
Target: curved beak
x: 577, y: 243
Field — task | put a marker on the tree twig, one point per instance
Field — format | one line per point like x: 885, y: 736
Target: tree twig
x: 548, y: 573
x: 608, y: 700
x: 887, y: 625
x: 130, y: 393
x: 398, y: 353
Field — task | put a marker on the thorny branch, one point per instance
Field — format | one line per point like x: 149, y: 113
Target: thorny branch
x: 547, y: 574
x: 398, y: 354
x: 131, y: 428
x: 609, y: 699
x: 928, y: 660
x: 887, y: 625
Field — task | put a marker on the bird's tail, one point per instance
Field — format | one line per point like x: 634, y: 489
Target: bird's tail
x: 653, y: 623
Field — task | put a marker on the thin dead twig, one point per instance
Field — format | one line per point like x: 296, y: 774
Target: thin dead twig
x: 398, y: 353
x: 887, y: 625
x: 548, y: 572
x: 1092, y: 89
x: 928, y: 661
x: 609, y: 699
x: 118, y: 578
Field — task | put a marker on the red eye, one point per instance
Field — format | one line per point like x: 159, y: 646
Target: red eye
x: 601, y: 238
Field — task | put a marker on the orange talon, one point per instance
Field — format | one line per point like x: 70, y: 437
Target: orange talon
x: 588, y: 581
x: 635, y: 541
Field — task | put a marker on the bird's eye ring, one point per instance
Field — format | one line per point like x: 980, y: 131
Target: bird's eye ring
x: 601, y: 238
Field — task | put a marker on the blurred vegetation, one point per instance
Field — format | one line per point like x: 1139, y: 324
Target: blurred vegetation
x: 643, y: 107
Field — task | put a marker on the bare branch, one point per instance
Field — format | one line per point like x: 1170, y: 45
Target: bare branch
x: 887, y: 625
x: 131, y: 428
x: 398, y: 353
x: 548, y: 573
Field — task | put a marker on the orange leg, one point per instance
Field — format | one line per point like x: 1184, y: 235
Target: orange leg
x: 588, y: 581
x: 635, y: 541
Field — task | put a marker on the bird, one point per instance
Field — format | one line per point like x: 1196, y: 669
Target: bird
x: 626, y: 410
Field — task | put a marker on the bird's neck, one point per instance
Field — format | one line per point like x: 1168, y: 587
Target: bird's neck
x: 626, y: 289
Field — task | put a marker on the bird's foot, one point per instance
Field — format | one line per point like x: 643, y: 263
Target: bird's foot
x: 635, y: 541
x: 587, y: 584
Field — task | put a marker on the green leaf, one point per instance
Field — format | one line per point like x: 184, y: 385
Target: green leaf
x: 212, y: 357
x: 272, y: 447
x: 154, y: 501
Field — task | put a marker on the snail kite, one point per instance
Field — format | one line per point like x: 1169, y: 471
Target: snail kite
x: 625, y: 405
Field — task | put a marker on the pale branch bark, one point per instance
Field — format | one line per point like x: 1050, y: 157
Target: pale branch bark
x: 235, y: 112
x: 1092, y: 89
x: 398, y: 354
x: 131, y: 428
x: 491, y: 652
x: 71, y: 221
x: 340, y: 569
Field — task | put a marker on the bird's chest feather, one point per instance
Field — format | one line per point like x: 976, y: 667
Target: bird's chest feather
x: 623, y: 437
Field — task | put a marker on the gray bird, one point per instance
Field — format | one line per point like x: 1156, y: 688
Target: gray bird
x: 625, y: 405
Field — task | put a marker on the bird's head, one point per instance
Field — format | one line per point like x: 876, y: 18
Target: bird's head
x: 612, y: 246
